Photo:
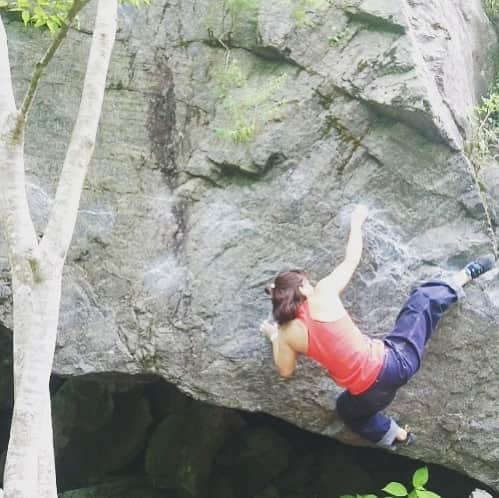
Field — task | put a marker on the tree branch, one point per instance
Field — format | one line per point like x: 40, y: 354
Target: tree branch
x: 62, y: 220
x: 7, y: 102
x: 14, y: 210
x: 49, y: 54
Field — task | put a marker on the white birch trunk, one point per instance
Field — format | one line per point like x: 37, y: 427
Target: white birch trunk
x: 37, y: 267
x: 36, y: 310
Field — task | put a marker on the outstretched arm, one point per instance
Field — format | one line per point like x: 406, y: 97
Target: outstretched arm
x: 341, y: 275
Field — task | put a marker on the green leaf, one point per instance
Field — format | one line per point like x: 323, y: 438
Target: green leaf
x: 25, y: 17
x: 395, y: 489
x: 52, y: 25
x: 423, y: 493
x: 420, y: 477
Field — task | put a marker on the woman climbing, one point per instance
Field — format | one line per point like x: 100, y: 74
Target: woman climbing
x: 313, y: 321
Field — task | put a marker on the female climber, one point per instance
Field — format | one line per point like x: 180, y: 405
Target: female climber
x: 313, y: 321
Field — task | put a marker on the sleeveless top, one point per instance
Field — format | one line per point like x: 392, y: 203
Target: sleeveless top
x: 353, y: 359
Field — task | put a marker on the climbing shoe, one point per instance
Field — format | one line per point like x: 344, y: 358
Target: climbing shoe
x: 480, y: 265
x: 397, y: 445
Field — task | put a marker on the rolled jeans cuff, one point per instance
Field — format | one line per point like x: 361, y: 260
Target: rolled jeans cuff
x: 447, y: 278
x: 390, y: 435
x: 458, y: 289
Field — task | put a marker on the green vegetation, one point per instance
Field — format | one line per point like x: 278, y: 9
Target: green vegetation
x: 248, y: 109
x: 41, y: 13
x: 228, y: 16
x: 301, y: 10
x: 237, y: 7
x: 419, y: 481
x: 342, y: 35
x: 48, y: 13
x: 230, y: 76
x: 227, y: 20
x: 484, y: 142
x: 491, y: 7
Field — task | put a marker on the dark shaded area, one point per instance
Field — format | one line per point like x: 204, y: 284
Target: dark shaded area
x: 130, y: 436
x: 237, y: 454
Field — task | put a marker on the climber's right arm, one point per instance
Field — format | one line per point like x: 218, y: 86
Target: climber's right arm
x: 338, y: 279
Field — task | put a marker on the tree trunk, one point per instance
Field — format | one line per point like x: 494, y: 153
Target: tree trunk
x: 28, y: 473
x: 37, y: 266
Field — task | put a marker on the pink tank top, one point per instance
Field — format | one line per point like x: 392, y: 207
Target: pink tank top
x: 353, y: 359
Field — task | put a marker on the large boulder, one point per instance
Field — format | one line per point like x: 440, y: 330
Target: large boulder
x: 182, y: 449
x: 233, y: 145
x: 100, y: 426
x: 253, y: 460
x: 341, y: 475
x: 118, y: 488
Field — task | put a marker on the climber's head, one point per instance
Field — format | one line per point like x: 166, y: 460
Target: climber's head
x: 288, y: 291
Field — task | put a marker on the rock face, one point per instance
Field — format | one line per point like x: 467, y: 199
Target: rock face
x: 125, y: 488
x: 87, y: 414
x: 183, y: 448
x: 478, y: 493
x: 233, y: 145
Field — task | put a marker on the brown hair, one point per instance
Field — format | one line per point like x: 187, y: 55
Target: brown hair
x: 285, y: 294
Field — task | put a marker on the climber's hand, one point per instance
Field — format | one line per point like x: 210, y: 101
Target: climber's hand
x: 268, y: 329
x: 359, y: 214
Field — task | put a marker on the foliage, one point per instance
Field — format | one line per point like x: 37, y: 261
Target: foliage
x: 247, y: 108
x: 301, y: 9
x: 397, y: 489
x: 40, y: 13
x: 342, y: 35
x: 48, y: 13
x: 488, y: 112
x: 491, y: 7
x: 239, y: 8
x: 230, y: 76
x: 484, y: 141
x: 234, y: 7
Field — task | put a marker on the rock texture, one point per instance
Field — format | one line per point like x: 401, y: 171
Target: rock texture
x: 89, y: 414
x: 233, y: 145
x: 478, y: 493
x: 183, y: 447
x: 197, y: 450
x: 120, y: 488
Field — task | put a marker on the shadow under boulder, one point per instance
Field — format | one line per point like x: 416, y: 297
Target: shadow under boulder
x: 182, y: 449
x: 100, y: 426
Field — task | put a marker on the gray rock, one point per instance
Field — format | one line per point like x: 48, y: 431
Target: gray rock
x: 6, y: 371
x: 182, y: 449
x: 348, y: 478
x: 99, y: 427
x: 268, y: 492
x: 253, y: 460
x: 180, y: 229
x: 479, y: 493
x: 119, y: 488
x: 221, y: 488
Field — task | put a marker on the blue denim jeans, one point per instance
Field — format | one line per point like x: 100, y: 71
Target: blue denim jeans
x: 404, y: 347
